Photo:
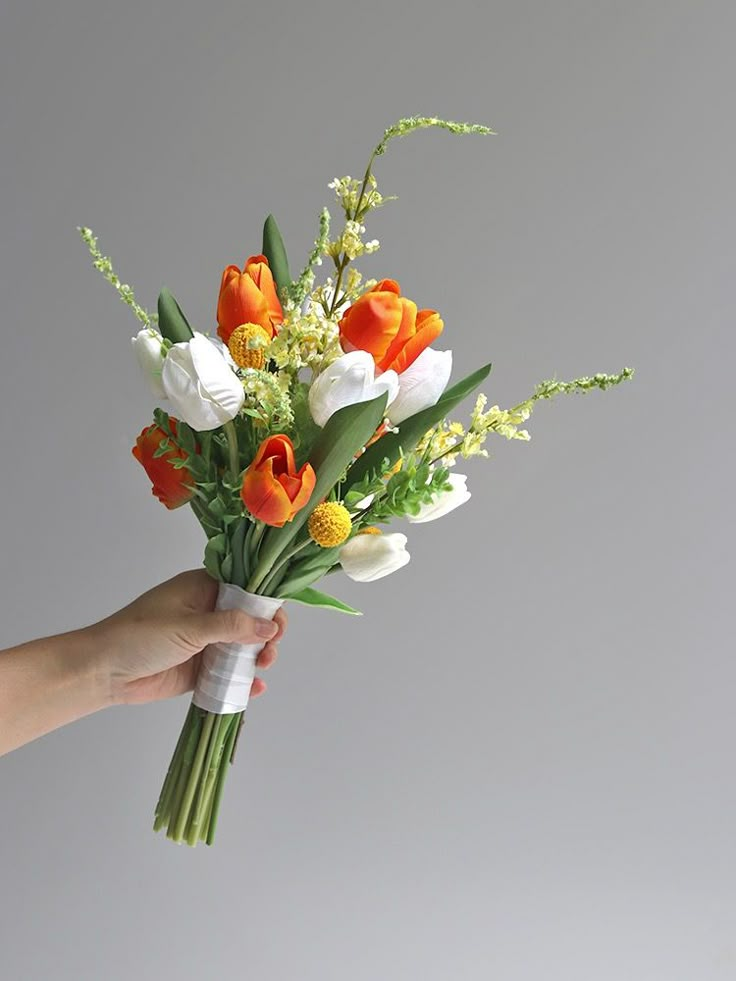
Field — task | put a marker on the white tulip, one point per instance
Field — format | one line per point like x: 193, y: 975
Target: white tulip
x: 446, y: 501
x: 363, y: 503
x: 148, y: 351
x: 368, y: 557
x: 349, y: 379
x: 202, y: 387
x: 421, y: 384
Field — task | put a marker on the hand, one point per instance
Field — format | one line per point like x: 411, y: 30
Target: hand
x: 151, y: 648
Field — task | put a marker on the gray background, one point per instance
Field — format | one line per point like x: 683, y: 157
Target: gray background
x: 519, y: 763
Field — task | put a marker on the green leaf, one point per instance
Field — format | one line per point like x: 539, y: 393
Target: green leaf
x: 275, y: 251
x: 322, y: 560
x: 171, y: 321
x: 185, y: 438
x: 218, y: 544
x: 226, y: 568
x: 218, y: 507
x: 412, y: 429
x: 345, y: 433
x: 304, y: 572
x: 313, y: 597
x: 213, y: 550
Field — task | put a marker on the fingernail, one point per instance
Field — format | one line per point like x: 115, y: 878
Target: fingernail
x: 265, y: 628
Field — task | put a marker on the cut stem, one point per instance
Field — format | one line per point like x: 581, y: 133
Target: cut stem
x: 193, y: 778
x: 220, y: 784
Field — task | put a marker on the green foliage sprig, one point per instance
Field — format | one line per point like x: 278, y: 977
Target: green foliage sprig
x: 104, y: 265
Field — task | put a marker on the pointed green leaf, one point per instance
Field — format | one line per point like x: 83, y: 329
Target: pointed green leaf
x: 171, y: 320
x: 412, y: 429
x: 313, y: 597
x: 213, y: 551
x: 307, y: 571
x: 275, y: 251
x: 218, y: 544
x: 345, y: 433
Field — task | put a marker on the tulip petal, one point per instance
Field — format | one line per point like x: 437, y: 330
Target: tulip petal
x: 171, y: 485
x: 422, y: 384
x: 240, y: 302
x: 429, y: 328
x: 272, y: 491
x: 258, y: 269
x: 444, y: 502
x: 371, y: 323
x: 407, y: 329
x: 203, y: 388
x: 347, y: 381
x: 218, y: 382
x: 366, y: 558
x: 266, y: 499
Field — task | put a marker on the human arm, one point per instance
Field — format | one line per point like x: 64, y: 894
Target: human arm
x: 147, y: 651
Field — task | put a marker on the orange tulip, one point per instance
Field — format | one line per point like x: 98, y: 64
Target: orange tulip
x: 172, y: 486
x: 388, y: 326
x: 248, y: 297
x: 272, y: 489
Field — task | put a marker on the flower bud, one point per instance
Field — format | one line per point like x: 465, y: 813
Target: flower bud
x: 365, y: 558
x: 150, y: 355
x: 445, y: 501
x: 201, y: 385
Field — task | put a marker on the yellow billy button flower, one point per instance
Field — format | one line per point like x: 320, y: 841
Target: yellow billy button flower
x: 329, y: 524
x: 247, y: 345
x: 371, y: 530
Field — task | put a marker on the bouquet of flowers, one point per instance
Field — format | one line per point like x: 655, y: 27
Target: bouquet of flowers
x: 316, y: 413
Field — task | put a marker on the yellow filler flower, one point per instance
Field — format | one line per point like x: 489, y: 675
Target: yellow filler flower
x: 329, y: 524
x: 246, y: 345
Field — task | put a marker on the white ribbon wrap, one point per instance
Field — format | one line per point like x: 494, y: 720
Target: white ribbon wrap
x: 228, y: 670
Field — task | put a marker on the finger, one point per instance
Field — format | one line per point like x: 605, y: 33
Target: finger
x: 196, y: 590
x: 224, y: 626
x: 281, y: 619
x: 257, y: 688
x: 268, y: 655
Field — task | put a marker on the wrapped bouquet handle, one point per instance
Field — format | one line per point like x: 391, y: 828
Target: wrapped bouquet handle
x: 227, y: 670
x: 189, y: 802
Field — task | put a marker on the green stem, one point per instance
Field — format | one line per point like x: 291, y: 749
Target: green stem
x: 240, y: 720
x: 193, y: 778
x: 205, y: 517
x: 253, y: 547
x: 366, y: 178
x: 163, y: 807
x: 220, y: 782
x: 271, y: 579
x: 195, y: 817
x: 190, y: 748
x: 232, y: 446
x: 344, y: 262
x: 210, y: 779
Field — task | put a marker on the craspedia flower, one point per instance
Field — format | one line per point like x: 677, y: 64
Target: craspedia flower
x: 329, y: 524
x: 247, y: 346
x: 370, y: 530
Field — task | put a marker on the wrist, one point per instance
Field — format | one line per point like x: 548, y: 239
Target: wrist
x: 83, y: 672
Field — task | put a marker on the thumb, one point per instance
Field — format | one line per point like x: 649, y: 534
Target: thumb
x: 226, y: 626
